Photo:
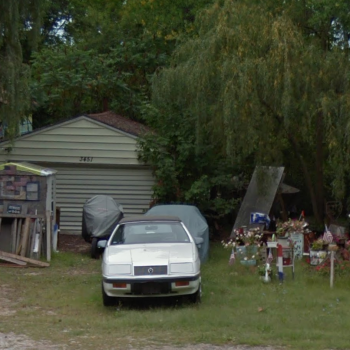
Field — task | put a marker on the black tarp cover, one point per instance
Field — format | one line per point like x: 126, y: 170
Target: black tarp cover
x: 101, y: 213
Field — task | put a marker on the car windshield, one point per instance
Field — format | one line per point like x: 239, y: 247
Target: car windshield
x: 150, y: 232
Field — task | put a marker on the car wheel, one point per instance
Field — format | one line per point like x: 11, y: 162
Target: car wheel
x: 107, y: 300
x: 95, y: 253
x: 196, y: 297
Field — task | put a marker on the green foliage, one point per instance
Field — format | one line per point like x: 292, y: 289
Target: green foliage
x: 184, y: 171
x: 135, y: 40
x: 16, y: 18
x: 68, y: 81
x: 263, y: 92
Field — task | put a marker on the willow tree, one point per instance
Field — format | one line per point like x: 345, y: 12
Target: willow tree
x: 19, y: 20
x: 266, y: 87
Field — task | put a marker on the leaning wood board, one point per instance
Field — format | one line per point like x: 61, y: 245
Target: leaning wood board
x: 12, y: 260
x: 22, y: 258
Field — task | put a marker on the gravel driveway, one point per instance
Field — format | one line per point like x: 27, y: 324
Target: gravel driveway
x: 13, y: 341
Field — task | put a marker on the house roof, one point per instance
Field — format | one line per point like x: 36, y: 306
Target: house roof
x: 109, y: 118
x: 119, y: 122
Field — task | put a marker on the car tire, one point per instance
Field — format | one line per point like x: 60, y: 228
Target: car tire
x: 196, y: 297
x: 107, y: 300
x: 95, y: 253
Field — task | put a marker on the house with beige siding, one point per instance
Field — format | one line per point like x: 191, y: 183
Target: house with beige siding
x: 92, y: 154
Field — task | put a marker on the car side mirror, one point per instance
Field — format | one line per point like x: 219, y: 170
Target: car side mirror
x: 102, y: 243
x: 198, y: 241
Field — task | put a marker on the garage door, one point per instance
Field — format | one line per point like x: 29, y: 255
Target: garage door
x: 131, y: 187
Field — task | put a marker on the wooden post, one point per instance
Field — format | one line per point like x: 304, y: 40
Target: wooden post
x: 332, y: 269
x: 18, y: 236
x: 48, y: 235
x: 33, y: 236
x: 280, y: 262
x: 25, y: 236
x: 14, y: 235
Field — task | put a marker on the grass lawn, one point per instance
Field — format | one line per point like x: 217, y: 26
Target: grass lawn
x: 63, y: 303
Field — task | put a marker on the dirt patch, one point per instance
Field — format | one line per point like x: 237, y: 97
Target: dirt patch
x: 72, y: 243
x: 12, y: 341
x: 5, y: 302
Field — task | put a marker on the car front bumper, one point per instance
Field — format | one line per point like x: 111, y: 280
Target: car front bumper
x: 155, y: 287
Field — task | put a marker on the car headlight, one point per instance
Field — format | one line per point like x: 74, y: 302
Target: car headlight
x: 118, y: 269
x: 182, y: 268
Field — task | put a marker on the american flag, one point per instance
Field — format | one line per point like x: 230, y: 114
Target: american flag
x: 269, y: 257
x: 232, y: 258
x: 327, y: 236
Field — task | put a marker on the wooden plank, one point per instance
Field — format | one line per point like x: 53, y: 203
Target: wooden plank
x: 48, y: 236
x: 12, y: 265
x: 32, y: 238
x: 14, y: 235
x: 25, y: 236
x: 18, y: 236
x: 40, y: 231
x: 22, y: 258
x: 13, y: 260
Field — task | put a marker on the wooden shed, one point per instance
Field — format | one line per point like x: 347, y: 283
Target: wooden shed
x: 27, y: 209
x: 93, y: 154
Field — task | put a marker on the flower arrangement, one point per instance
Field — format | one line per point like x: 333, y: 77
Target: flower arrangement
x: 317, y: 244
x: 245, y: 244
x: 347, y: 245
x: 248, y: 237
x: 285, y: 228
x: 341, y: 268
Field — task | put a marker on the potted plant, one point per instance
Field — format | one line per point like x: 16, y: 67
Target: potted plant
x: 246, y: 243
x: 285, y: 228
x: 317, y: 252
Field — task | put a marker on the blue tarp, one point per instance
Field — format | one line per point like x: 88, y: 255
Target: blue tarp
x: 193, y: 220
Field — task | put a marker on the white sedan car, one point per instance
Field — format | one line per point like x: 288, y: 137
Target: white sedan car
x: 150, y: 256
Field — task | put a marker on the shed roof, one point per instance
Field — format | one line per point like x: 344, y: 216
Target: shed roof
x: 28, y: 167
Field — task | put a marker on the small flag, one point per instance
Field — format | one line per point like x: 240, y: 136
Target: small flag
x: 232, y: 258
x: 327, y: 236
x: 269, y: 257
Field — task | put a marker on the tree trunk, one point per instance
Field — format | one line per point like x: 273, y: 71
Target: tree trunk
x: 310, y: 184
x: 319, y: 164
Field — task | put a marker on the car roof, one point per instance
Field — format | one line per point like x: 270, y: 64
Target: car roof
x: 149, y: 218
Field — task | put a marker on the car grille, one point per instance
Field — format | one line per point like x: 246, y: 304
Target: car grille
x: 150, y: 270
x: 151, y: 288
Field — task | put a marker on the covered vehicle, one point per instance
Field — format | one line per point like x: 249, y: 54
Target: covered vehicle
x: 193, y: 220
x: 101, y: 214
x: 150, y: 256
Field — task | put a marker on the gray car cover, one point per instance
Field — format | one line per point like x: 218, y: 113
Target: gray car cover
x: 100, y: 215
x: 193, y: 220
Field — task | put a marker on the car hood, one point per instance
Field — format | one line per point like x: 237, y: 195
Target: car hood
x: 150, y: 254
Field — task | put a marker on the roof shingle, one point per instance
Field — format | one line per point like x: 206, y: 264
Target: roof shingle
x: 117, y: 121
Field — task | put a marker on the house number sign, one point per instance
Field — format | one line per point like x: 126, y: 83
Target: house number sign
x: 86, y: 159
